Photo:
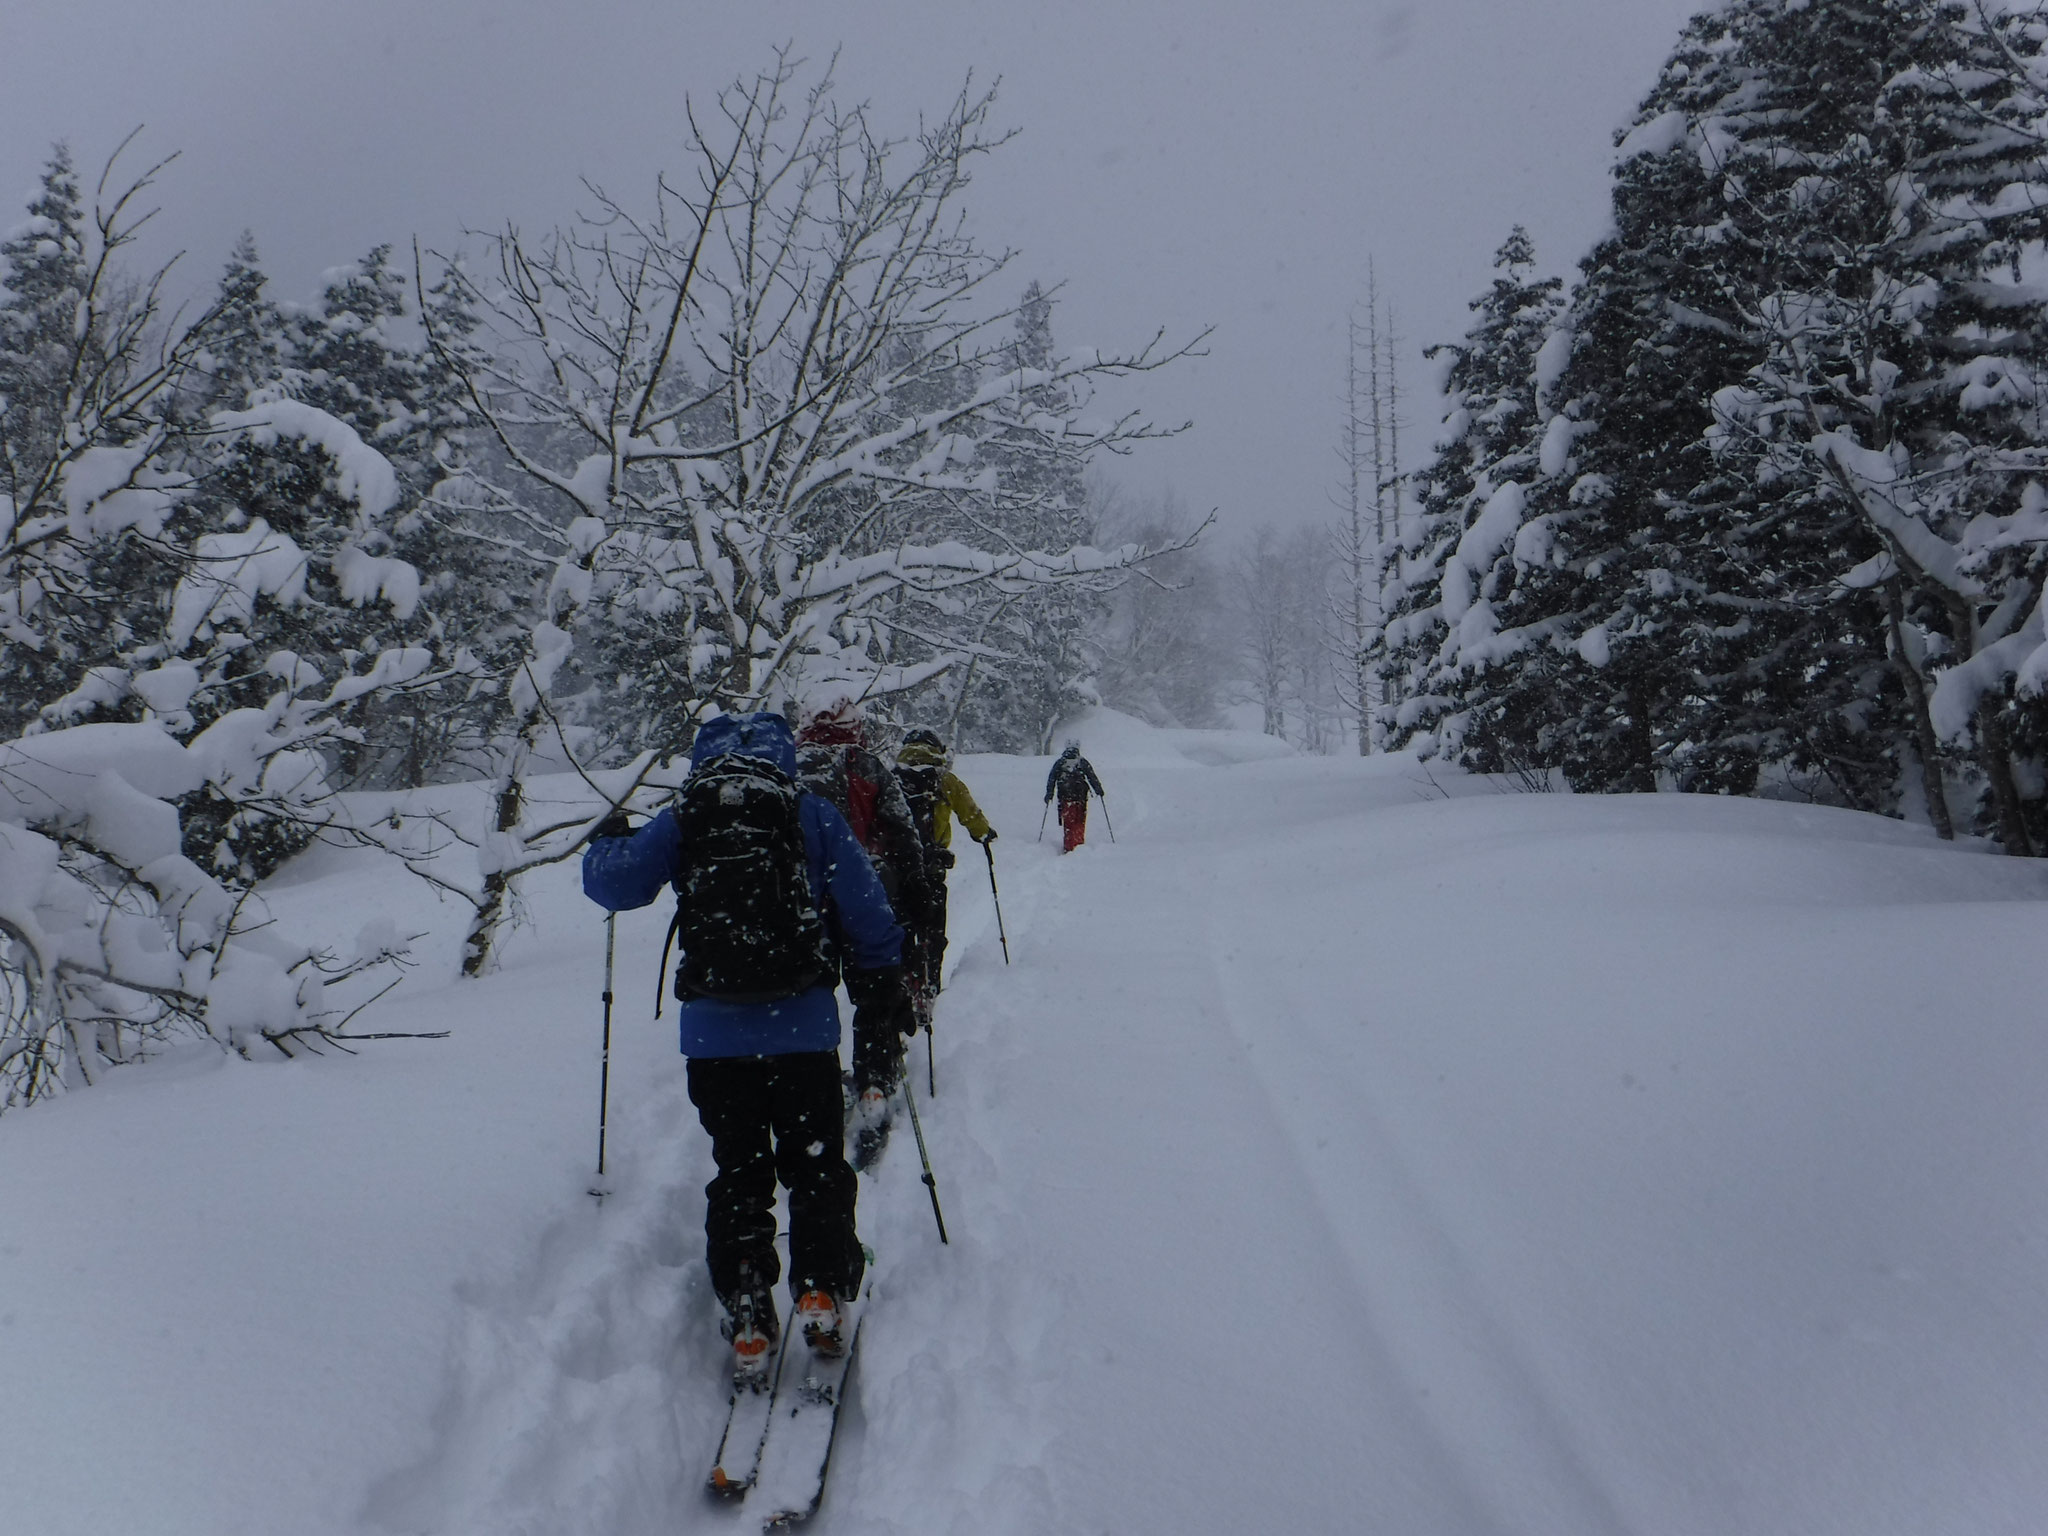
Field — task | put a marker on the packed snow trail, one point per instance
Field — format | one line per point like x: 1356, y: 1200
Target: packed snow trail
x: 1372, y: 1159
x: 1204, y: 1305
x: 1347, y: 1149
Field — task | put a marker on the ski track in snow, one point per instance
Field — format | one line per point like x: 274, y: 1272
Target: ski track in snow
x: 1338, y: 1154
x: 1422, y: 1318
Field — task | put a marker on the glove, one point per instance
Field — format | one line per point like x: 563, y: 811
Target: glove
x: 919, y: 1013
x: 614, y: 825
x: 884, y: 997
x: 987, y: 837
x: 943, y: 858
x: 875, y: 989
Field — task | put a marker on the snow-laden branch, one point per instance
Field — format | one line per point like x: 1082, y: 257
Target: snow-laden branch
x: 108, y: 922
x: 775, y: 370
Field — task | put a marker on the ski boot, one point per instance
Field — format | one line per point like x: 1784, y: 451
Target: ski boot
x: 824, y: 1322
x: 751, y: 1328
x: 870, y: 1127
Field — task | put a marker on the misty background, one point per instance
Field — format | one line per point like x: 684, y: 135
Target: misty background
x: 1175, y: 166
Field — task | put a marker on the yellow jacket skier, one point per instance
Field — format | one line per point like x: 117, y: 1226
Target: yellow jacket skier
x: 925, y: 770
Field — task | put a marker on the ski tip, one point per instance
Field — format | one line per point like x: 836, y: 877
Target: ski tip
x: 723, y: 1485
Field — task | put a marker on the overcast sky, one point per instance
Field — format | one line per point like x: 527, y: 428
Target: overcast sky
x: 1179, y: 164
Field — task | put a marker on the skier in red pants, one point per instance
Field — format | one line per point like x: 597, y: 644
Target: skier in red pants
x: 1072, y: 777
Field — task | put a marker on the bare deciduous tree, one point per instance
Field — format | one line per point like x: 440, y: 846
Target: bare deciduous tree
x: 770, y: 427
x: 1279, y: 597
x: 1164, y: 637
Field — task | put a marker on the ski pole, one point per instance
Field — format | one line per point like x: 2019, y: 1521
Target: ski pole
x: 1105, y: 815
x: 998, y: 895
x: 925, y: 1011
x: 1041, y: 820
x: 930, y: 1183
x: 604, y: 1075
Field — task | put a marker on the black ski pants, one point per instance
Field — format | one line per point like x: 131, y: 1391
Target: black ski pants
x: 926, y: 947
x: 877, y: 1051
x: 770, y: 1118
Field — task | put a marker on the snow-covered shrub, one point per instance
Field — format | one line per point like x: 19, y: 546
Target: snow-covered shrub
x: 153, y: 710
x: 112, y: 940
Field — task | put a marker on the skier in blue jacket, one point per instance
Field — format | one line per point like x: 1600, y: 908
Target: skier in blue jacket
x: 765, y: 1075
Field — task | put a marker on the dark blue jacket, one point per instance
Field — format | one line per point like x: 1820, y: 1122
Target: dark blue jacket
x: 1071, y: 778
x: 621, y: 873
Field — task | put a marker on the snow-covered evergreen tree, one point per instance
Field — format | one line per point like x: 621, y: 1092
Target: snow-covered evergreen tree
x: 473, y: 588
x: 1668, y: 602
x: 40, y: 337
x: 1596, y: 557
x: 304, y: 399
x: 63, y: 400
x: 244, y: 346
x: 1041, y: 654
x: 1900, y: 405
x: 1489, y: 440
x: 124, y: 617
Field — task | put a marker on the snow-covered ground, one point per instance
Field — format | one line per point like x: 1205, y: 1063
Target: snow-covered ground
x: 1346, y: 1149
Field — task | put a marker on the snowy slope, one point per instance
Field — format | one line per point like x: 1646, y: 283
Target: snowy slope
x: 1344, y: 1150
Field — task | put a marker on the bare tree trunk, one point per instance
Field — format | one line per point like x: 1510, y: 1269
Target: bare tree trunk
x: 1372, y: 572
x: 1639, y: 744
x: 1392, y: 526
x: 1924, y: 740
x: 1355, y: 556
x: 1994, y: 751
x: 1372, y: 449
x: 1372, y: 452
x: 497, y: 886
x: 1994, y: 746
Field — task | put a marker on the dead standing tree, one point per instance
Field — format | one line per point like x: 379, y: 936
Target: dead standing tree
x: 1369, y: 513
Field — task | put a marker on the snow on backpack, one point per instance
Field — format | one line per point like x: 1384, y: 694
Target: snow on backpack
x: 835, y: 772
x: 749, y: 924
x: 920, y: 783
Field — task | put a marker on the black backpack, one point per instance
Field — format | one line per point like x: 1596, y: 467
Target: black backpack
x: 749, y: 925
x: 920, y: 783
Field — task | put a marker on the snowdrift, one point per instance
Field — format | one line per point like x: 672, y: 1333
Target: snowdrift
x: 1348, y: 1148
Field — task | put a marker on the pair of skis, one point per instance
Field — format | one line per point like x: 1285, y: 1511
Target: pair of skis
x: 777, y: 1445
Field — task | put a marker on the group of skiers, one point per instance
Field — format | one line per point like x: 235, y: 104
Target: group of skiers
x: 801, y: 860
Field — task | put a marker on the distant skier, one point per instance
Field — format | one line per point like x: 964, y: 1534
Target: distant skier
x: 1072, y: 777
x: 835, y: 761
x: 774, y: 898
x: 936, y: 796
